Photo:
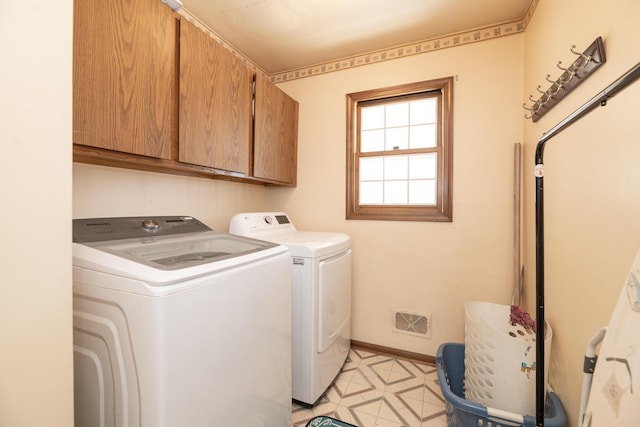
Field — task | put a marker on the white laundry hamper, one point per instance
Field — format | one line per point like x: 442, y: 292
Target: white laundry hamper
x: 500, y: 359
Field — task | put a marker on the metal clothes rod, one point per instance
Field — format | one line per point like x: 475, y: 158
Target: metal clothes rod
x: 599, y: 100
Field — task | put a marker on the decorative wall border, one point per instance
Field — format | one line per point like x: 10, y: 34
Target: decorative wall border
x: 416, y: 48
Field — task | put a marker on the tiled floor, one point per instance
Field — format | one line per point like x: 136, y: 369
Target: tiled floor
x: 380, y: 391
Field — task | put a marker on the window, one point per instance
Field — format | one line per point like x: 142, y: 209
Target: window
x: 399, y: 147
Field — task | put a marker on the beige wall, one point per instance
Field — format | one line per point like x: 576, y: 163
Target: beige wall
x: 591, y: 182
x: 427, y: 268
x: 100, y: 191
x: 419, y: 267
x: 591, y: 186
x: 35, y: 186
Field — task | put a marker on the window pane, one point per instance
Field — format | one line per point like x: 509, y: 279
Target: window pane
x: 399, y: 157
x: 372, y: 140
x: 395, y: 192
x: 396, y: 167
x: 422, y: 192
x: 423, y: 136
x: 424, y: 111
x: 397, y: 114
x: 371, y: 193
x: 371, y: 168
x: 423, y: 166
x: 397, y: 139
x: 372, y: 117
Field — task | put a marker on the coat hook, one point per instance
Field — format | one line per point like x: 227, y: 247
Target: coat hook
x: 586, y: 58
x: 548, y: 79
x: 559, y: 87
x: 565, y: 69
x: 571, y: 73
x: 544, y: 93
x: 534, y: 108
x: 563, y: 81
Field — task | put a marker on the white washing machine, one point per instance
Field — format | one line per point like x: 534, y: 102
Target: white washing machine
x: 177, y: 325
x: 321, y: 298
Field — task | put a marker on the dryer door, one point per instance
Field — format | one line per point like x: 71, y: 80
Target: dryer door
x: 334, y: 312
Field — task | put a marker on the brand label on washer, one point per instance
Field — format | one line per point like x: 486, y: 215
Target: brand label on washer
x: 298, y: 261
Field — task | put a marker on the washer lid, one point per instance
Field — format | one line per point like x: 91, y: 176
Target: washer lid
x: 164, y: 243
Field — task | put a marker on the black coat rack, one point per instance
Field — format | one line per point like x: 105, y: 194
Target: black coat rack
x: 599, y: 100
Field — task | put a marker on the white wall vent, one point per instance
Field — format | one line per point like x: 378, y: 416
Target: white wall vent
x: 412, y: 323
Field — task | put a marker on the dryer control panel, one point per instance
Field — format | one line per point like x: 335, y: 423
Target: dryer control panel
x: 252, y: 223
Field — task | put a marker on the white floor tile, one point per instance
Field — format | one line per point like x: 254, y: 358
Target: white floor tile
x: 379, y: 391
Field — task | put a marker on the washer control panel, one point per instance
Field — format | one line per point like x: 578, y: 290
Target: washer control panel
x: 103, y: 229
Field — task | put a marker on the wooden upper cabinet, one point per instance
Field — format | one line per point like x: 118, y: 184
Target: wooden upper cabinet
x: 275, y: 134
x: 124, y: 71
x: 152, y: 91
x: 215, y: 104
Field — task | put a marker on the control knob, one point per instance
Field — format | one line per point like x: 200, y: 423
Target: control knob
x: 150, y: 224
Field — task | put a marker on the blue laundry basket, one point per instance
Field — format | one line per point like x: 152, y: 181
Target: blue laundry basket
x: 464, y: 413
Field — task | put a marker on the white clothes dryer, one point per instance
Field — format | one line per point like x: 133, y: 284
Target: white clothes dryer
x: 174, y: 325
x: 321, y: 298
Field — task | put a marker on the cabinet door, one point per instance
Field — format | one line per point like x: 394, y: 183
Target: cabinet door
x: 215, y: 103
x: 276, y: 134
x: 124, y: 70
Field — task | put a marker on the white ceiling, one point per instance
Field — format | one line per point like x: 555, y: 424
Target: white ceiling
x: 281, y: 35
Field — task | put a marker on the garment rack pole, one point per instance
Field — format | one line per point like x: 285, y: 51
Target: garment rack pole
x: 599, y: 100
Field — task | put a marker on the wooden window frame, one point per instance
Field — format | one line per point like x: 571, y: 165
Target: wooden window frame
x: 442, y: 211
